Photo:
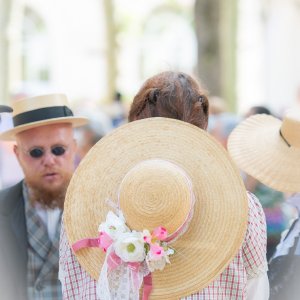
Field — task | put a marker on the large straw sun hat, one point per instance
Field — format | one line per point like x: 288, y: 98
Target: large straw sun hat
x: 162, y: 172
x: 38, y: 111
x: 268, y: 149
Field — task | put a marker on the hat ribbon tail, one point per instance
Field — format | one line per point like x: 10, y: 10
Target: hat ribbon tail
x: 147, y: 286
x: 113, y: 260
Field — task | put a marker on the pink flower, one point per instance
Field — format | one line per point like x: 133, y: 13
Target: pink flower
x: 153, y: 240
x: 160, y: 233
x: 156, y: 251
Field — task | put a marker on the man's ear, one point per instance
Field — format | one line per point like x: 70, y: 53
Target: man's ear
x: 16, y: 151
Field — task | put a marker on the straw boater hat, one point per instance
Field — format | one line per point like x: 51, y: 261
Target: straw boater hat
x: 38, y: 111
x: 162, y: 172
x: 268, y: 149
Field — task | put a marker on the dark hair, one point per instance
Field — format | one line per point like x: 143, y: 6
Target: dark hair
x: 173, y: 95
x: 260, y: 110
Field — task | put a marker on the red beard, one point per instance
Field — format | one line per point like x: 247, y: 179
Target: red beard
x: 48, y: 198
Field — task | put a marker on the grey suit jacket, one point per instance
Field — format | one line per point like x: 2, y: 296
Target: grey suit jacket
x: 13, y: 244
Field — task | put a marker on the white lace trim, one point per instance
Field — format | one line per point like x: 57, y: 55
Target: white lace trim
x: 119, y: 284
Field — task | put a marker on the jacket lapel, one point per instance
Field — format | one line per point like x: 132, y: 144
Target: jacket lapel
x: 13, y: 250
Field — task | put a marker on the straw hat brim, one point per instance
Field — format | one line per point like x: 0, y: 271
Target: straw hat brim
x: 217, y: 229
x: 11, y: 133
x: 260, y: 151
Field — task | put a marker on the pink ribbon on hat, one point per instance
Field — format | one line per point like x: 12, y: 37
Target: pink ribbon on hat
x: 103, y: 242
x: 113, y: 260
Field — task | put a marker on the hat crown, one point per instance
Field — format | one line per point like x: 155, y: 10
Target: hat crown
x: 290, y: 130
x: 156, y: 193
x: 29, y: 104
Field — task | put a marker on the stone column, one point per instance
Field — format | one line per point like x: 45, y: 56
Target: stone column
x: 4, y: 72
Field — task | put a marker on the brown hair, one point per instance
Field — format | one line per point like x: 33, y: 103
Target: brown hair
x: 173, y: 95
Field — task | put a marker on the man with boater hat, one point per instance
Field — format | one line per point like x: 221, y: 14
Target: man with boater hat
x: 30, y: 211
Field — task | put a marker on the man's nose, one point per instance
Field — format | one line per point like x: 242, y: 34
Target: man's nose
x: 48, y: 158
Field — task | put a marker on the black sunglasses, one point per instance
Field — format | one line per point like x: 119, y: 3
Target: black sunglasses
x: 39, y: 152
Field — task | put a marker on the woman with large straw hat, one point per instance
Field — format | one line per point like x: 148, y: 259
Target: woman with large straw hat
x: 175, y: 219
x: 268, y: 149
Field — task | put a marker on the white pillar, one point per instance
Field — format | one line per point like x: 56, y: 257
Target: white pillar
x: 251, y: 79
x: 14, y: 35
x: 4, y: 16
x: 283, y: 52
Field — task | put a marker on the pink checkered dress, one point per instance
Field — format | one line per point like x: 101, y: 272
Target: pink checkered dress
x: 250, y: 262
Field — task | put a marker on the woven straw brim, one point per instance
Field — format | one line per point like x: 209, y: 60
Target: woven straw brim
x: 217, y: 229
x: 10, y: 135
x: 260, y: 151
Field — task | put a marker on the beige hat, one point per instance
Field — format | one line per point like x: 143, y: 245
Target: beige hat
x: 41, y: 110
x: 268, y: 149
x: 159, y: 171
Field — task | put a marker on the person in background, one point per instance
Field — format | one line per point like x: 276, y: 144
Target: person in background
x: 5, y: 108
x: 4, y: 123
x: 177, y: 95
x: 87, y: 137
x: 220, y: 126
x: 268, y: 149
x: 116, y: 110
x: 217, y: 105
x: 254, y: 110
x: 99, y: 124
x: 30, y: 211
x: 8, y: 160
x: 278, y: 212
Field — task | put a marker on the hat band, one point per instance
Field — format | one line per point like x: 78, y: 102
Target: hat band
x: 41, y: 114
x: 280, y: 132
x: 290, y: 131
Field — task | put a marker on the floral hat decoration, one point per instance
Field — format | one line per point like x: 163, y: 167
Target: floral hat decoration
x: 157, y: 209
